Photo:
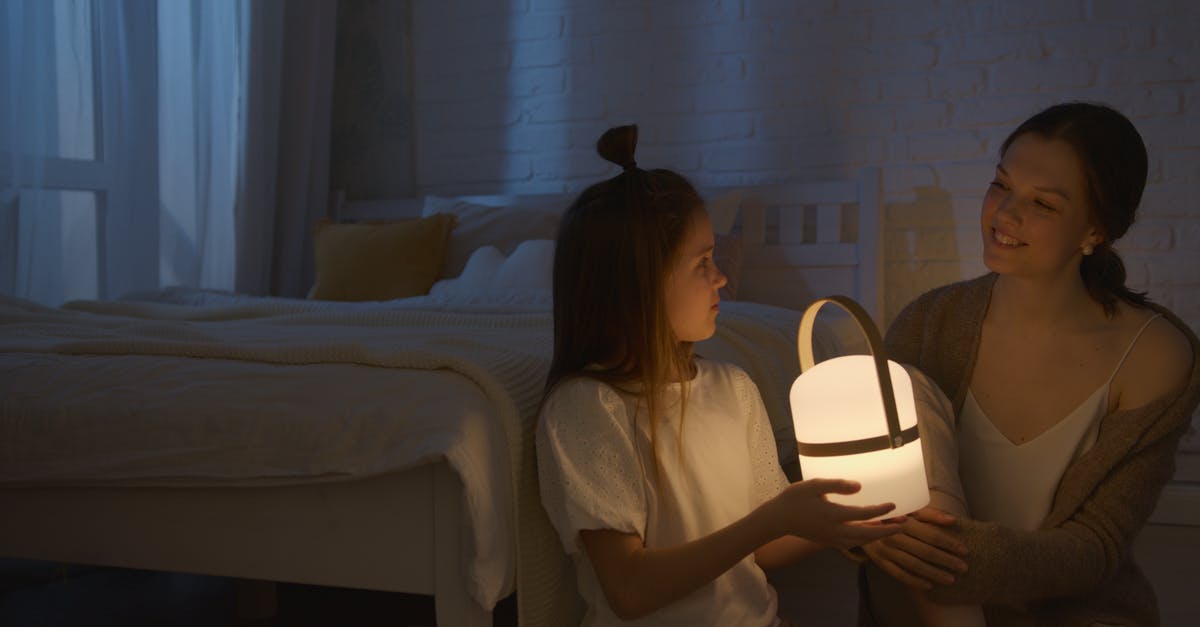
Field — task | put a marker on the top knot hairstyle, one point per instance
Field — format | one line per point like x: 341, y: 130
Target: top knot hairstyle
x: 1114, y: 161
x: 616, y: 244
x: 618, y: 145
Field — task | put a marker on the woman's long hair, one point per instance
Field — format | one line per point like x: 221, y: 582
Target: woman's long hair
x: 1114, y: 164
x: 616, y: 245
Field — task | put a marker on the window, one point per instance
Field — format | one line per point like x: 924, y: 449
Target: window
x: 120, y: 131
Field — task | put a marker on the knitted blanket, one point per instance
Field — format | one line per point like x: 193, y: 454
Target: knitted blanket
x: 506, y: 355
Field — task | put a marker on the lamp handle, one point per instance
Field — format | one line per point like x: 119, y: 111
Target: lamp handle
x: 874, y: 341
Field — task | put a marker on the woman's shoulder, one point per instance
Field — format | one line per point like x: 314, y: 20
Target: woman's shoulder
x: 1162, y: 361
x: 955, y: 294
x: 953, y: 309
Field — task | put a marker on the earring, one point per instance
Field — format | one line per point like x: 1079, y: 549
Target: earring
x: 1087, y: 249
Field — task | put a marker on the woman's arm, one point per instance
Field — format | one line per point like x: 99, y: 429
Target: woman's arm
x: 637, y: 580
x: 1012, y: 566
x: 935, y: 614
x: 1112, y: 496
x: 923, y: 552
x: 1116, y: 487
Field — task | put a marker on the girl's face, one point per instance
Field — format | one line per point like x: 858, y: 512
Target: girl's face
x: 693, y: 283
x: 1036, y: 214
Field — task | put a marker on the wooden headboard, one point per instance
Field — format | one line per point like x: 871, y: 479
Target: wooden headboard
x: 800, y: 241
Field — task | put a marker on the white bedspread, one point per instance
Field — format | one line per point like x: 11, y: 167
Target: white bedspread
x: 378, y: 382
x: 106, y: 400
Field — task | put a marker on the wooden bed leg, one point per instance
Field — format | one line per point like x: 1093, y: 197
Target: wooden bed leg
x: 453, y: 604
x: 255, y: 599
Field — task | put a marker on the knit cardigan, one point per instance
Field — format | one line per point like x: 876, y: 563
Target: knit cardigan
x: 1077, y: 568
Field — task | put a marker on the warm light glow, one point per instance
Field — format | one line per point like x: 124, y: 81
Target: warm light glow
x: 838, y: 400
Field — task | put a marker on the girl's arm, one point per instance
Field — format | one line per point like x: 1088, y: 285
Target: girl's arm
x: 784, y: 550
x: 637, y: 581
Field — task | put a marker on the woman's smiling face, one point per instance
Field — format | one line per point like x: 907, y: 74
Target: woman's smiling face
x: 1036, y: 217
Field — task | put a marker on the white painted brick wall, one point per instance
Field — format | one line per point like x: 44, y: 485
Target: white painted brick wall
x: 510, y: 96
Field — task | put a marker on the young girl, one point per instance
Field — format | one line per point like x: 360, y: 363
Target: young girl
x: 657, y: 468
x: 1071, y: 392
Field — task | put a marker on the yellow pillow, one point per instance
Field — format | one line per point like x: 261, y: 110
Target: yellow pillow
x: 381, y: 260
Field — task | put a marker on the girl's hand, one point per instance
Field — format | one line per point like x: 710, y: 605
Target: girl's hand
x: 802, y: 510
x: 924, y: 554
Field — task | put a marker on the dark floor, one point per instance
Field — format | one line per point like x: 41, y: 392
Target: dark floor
x: 42, y: 594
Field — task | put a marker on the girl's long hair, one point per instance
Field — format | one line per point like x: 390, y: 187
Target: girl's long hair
x: 1114, y: 165
x: 616, y: 245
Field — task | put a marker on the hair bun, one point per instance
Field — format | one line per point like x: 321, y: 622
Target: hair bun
x: 618, y: 145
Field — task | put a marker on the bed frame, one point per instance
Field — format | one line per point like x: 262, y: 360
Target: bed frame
x: 353, y: 534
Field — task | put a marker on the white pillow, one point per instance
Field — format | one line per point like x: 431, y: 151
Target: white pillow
x: 529, y: 268
x: 480, y: 268
x: 481, y: 225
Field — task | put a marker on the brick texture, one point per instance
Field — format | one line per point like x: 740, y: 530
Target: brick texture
x: 511, y: 96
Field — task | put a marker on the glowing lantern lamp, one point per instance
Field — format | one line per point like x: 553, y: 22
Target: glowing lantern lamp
x: 840, y: 408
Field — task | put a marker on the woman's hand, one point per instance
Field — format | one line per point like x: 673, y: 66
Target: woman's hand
x: 924, y: 554
x: 802, y: 510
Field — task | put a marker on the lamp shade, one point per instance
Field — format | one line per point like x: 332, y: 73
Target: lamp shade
x: 855, y: 418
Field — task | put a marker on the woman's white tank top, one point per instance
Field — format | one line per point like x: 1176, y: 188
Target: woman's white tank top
x: 1014, y: 484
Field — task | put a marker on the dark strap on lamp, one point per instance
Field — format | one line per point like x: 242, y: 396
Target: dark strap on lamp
x: 896, y: 437
x: 854, y: 447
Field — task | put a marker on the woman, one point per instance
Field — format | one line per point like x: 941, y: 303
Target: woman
x: 1070, y: 393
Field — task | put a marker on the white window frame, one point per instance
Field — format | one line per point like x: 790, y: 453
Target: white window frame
x: 124, y: 173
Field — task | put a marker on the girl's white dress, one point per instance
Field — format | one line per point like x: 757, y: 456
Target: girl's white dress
x: 596, y: 471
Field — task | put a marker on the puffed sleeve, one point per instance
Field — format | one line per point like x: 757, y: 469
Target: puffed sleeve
x: 769, y: 478
x: 589, y: 471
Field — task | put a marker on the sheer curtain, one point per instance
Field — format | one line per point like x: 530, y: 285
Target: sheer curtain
x: 304, y: 118
x: 150, y: 143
